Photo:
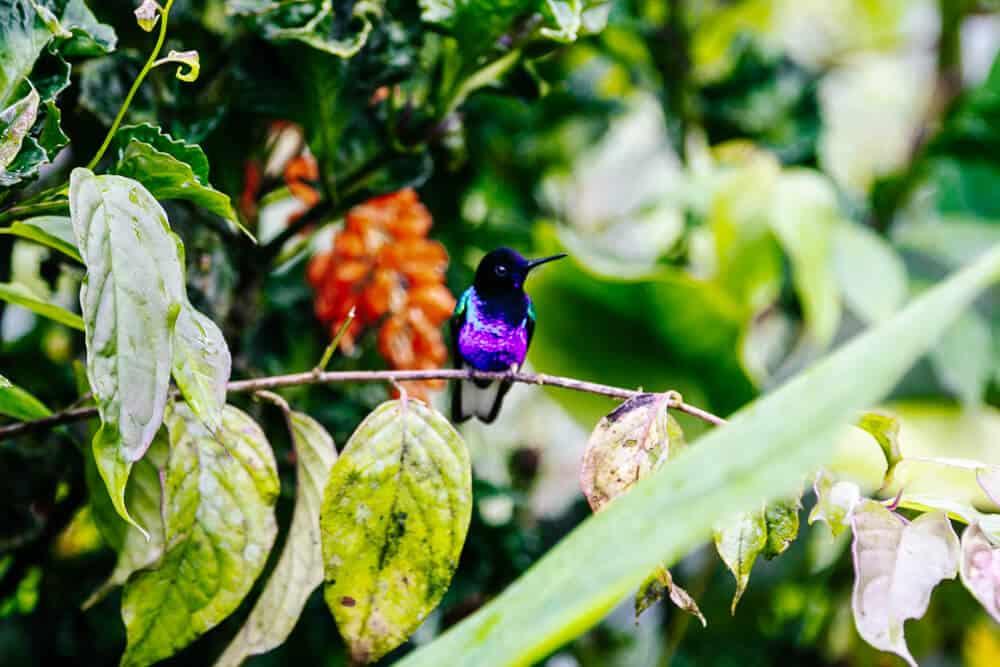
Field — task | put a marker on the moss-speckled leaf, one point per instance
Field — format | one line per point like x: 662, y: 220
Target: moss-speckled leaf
x: 300, y: 569
x: 661, y: 584
x: 53, y: 231
x: 739, y: 540
x: 980, y: 569
x: 19, y: 404
x: 219, y: 495
x: 130, y: 298
x: 22, y: 295
x: 834, y: 502
x: 761, y: 453
x: 782, y: 520
x: 201, y: 364
x: 897, y: 564
x: 396, y: 510
x: 628, y: 444
x: 142, y: 496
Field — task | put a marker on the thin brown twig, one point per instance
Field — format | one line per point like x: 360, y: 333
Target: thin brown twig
x: 390, y: 376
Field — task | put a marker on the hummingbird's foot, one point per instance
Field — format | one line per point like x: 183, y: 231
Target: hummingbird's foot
x: 512, y: 371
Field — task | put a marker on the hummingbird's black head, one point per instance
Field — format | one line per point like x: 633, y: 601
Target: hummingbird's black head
x: 504, y: 270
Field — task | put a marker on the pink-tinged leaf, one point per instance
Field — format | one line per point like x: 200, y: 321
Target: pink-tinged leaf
x: 980, y: 569
x: 897, y: 565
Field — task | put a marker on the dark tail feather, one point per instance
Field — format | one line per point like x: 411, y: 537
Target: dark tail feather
x: 472, y: 399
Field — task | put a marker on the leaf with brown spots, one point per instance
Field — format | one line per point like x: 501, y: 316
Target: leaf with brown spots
x: 396, y: 510
x: 628, y: 444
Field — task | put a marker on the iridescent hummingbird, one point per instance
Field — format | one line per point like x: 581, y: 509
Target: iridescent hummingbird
x: 491, y: 330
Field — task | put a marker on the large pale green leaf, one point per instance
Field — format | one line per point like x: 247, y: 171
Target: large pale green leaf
x: 395, y: 513
x: 53, y: 231
x: 19, y: 404
x: 218, y: 510
x: 22, y: 295
x: 300, y: 569
x: 762, y: 453
x: 963, y: 359
x: 130, y: 299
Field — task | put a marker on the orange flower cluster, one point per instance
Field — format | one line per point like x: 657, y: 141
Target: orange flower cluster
x: 383, y: 265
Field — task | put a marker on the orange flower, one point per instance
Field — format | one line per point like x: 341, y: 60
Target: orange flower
x: 383, y: 264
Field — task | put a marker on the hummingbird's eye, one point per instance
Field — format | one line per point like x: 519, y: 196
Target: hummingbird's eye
x: 501, y: 271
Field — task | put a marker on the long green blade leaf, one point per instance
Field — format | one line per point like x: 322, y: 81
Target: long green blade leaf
x: 22, y: 296
x: 763, y: 453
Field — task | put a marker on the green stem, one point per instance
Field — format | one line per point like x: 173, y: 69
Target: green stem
x: 150, y: 63
x: 31, y: 210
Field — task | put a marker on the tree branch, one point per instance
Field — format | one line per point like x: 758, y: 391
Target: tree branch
x: 676, y: 402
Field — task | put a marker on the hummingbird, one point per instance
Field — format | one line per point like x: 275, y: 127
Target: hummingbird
x: 491, y: 330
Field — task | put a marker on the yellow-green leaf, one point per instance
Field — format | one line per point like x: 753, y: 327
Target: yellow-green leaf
x: 19, y: 404
x: 53, y: 231
x: 739, y: 540
x: 396, y: 510
x: 300, y: 569
x: 218, y: 511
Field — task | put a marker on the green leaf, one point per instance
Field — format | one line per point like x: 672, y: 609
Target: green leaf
x: 170, y: 169
x: 19, y: 404
x: 143, y: 496
x: 396, y: 510
x: 661, y: 584
x: 628, y: 444
x: 300, y: 569
x: 897, y: 564
x: 565, y: 20
x: 22, y: 295
x: 130, y: 299
x: 218, y: 511
x: 871, y: 275
x: 325, y: 25
x: 803, y: 215
x: 761, y: 453
x: 201, y: 364
x: 656, y: 310
x: 739, y: 540
x: 885, y: 429
x: 15, y: 121
x: 53, y: 231
x: 782, y: 519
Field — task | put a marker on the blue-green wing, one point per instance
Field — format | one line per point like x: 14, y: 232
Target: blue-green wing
x: 457, y: 320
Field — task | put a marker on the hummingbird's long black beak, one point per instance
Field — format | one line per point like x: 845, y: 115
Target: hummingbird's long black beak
x: 532, y: 263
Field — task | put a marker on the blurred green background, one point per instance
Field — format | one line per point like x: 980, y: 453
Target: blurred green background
x: 741, y: 185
